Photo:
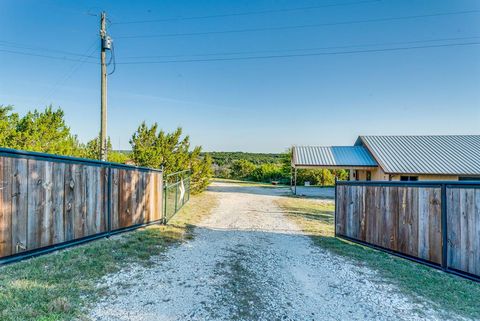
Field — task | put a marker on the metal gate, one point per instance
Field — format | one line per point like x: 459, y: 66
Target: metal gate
x: 176, y: 193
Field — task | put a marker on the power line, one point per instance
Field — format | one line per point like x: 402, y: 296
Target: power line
x: 302, y: 49
x: 299, y: 55
x: 29, y: 47
x: 234, y: 14
x: 91, y: 50
x: 45, y: 56
x: 316, y: 25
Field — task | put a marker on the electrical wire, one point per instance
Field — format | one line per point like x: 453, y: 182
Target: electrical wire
x: 88, y: 54
x: 29, y: 47
x: 234, y: 14
x: 316, y: 25
x: 300, y: 55
x: 46, y: 56
x: 112, y: 57
x: 302, y: 49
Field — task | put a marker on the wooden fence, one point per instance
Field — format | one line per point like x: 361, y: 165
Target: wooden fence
x: 47, y: 201
x: 437, y: 223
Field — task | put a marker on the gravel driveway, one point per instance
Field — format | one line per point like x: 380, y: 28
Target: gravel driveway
x: 249, y: 262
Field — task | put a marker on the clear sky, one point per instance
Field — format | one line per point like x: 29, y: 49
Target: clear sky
x: 237, y: 93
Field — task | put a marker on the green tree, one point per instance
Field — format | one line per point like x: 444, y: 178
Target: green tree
x: 155, y: 148
x: 46, y: 132
x: 242, y: 169
x: 8, y: 127
x: 92, y: 151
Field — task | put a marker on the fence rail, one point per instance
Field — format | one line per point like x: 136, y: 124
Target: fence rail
x: 437, y: 223
x: 48, y: 201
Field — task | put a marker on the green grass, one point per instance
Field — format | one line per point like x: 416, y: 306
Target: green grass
x: 59, y: 286
x: 453, y: 295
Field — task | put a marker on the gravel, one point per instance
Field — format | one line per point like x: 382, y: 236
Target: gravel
x: 249, y: 262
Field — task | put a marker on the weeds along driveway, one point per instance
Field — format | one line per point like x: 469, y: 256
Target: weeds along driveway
x: 248, y: 261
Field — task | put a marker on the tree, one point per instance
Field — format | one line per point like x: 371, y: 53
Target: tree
x: 46, y: 132
x: 92, y: 149
x: 157, y: 149
x: 242, y: 169
x: 8, y: 127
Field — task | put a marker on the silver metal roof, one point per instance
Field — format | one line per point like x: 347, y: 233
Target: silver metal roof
x: 448, y: 154
x: 341, y: 156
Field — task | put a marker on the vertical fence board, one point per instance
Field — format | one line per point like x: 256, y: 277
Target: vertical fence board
x: 363, y: 213
x: 5, y: 206
x: 58, y: 200
x: 19, y: 205
x: 104, y: 197
x: 453, y: 228
x: 435, y: 226
x: 423, y: 223
x: 115, y: 209
x: 35, y: 205
x: 340, y: 225
x: 69, y: 210
x: 413, y: 214
x: 148, y: 197
x: 476, y: 271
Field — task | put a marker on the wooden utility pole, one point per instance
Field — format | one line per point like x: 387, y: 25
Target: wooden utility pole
x: 103, y: 99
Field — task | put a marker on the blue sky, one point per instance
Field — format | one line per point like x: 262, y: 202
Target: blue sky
x: 262, y: 105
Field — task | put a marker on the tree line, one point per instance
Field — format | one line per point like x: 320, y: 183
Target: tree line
x: 261, y: 167
x: 46, y: 131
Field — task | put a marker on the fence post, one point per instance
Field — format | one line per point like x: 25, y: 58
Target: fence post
x: 176, y: 197
x: 444, y: 227
x: 335, y: 211
x: 165, y: 196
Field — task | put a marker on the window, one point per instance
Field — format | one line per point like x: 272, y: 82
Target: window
x: 369, y: 175
x: 409, y: 178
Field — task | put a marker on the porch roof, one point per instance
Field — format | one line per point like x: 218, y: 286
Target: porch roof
x: 332, y: 157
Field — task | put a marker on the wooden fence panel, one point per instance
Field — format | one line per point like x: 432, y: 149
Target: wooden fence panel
x: 136, y: 197
x: 46, y: 201
x: 463, y: 229
x: 399, y: 218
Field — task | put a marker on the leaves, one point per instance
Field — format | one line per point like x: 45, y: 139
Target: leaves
x: 38, y: 131
x: 155, y: 148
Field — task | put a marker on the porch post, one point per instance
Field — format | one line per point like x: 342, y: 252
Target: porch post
x: 295, y: 181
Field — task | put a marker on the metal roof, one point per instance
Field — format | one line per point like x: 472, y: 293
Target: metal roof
x: 332, y: 156
x: 443, y: 154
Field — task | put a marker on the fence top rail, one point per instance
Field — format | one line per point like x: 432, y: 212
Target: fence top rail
x: 8, y: 152
x: 471, y: 184
x: 178, y: 173
x: 167, y: 185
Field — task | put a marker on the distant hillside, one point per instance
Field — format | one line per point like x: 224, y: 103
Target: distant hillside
x: 227, y: 158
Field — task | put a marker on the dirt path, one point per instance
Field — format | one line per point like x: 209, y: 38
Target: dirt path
x: 248, y: 262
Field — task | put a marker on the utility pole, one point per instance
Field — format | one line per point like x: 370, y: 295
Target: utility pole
x: 105, y: 44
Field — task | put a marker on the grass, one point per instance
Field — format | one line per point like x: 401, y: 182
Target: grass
x: 453, y: 295
x: 59, y: 286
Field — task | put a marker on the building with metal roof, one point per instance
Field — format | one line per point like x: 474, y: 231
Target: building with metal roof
x: 425, y: 155
x: 409, y: 158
